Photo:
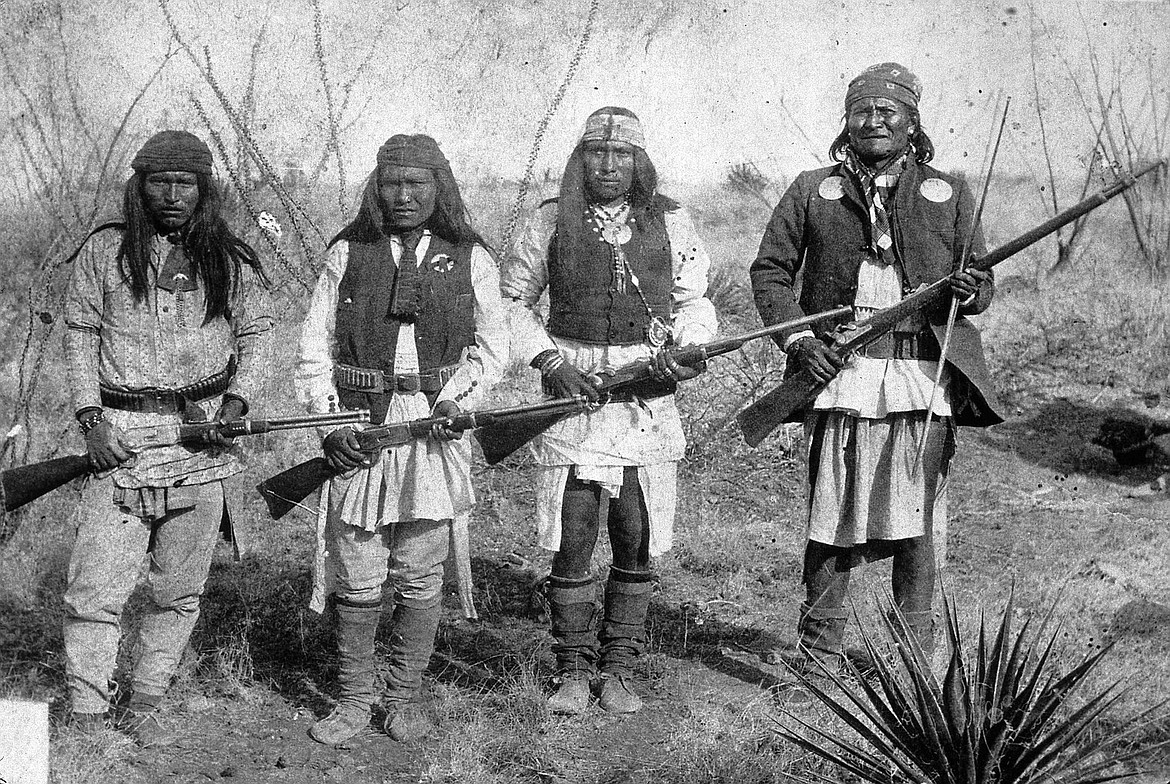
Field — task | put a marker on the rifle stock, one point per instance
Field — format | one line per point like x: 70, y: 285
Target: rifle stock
x: 26, y: 483
x: 500, y: 439
x: 765, y: 415
x: 288, y: 488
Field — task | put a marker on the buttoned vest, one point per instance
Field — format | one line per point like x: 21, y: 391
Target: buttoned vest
x: 582, y: 303
x: 366, y: 335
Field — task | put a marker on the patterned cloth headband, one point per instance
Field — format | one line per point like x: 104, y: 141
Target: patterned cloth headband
x: 416, y: 151
x: 614, y: 128
x: 885, y: 80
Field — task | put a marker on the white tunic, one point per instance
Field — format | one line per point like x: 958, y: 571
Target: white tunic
x: 601, y: 444
x: 422, y: 479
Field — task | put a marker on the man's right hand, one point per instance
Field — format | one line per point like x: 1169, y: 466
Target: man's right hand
x: 342, y: 451
x: 817, y: 358
x: 104, y: 445
x: 566, y: 381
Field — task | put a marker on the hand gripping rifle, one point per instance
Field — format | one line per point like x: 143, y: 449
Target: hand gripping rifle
x: 632, y: 381
x: 26, y: 483
x: 288, y: 488
x: 763, y: 416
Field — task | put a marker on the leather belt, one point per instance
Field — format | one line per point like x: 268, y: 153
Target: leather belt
x: 376, y: 382
x: 156, y: 400
x: 904, y: 345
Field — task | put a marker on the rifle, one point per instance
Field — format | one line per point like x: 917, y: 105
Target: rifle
x: 288, y: 488
x: 763, y: 416
x: 634, y: 380
x: 26, y: 483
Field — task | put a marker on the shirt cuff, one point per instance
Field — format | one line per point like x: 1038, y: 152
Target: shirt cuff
x: 795, y: 336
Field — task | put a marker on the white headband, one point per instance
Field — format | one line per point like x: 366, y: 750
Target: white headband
x: 614, y: 128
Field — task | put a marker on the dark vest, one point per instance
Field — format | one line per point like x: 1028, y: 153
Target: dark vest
x: 583, y: 307
x: 366, y: 335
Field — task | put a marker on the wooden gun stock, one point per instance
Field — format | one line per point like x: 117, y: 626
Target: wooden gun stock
x: 288, y: 488
x: 501, y: 439
x: 27, y: 483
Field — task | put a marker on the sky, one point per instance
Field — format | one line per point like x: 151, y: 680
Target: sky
x: 715, y: 83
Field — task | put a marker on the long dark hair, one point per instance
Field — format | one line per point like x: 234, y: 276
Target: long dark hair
x: 217, y: 255
x: 450, y: 219
x: 921, y: 144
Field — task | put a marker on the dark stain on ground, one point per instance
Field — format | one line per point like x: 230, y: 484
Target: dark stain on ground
x: 1141, y: 618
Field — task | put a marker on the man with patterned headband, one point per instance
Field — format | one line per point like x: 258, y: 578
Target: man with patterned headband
x: 626, y: 275
x: 867, y: 230
x: 166, y: 319
x: 407, y: 321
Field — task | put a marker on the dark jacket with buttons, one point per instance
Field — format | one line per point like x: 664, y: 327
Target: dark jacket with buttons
x: 819, y: 234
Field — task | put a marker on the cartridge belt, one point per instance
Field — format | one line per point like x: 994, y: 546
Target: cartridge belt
x: 904, y: 345
x: 156, y: 400
x: 371, y: 381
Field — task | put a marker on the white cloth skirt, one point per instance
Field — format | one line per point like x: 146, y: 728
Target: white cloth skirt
x: 862, y: 483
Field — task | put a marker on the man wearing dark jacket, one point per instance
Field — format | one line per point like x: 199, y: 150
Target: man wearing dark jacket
x: 866, y: 231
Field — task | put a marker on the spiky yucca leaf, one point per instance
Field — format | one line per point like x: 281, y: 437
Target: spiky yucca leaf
x: 1003, y: 718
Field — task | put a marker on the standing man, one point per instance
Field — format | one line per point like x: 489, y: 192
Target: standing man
x: 626, y: 276
x: 407, y: 321
x: 866, y: 231
x: 166, y: 320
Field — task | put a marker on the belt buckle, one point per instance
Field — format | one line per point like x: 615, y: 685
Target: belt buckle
x: 408, y: 382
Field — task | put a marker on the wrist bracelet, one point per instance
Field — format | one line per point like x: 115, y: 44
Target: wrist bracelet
x: 548, y: 361
x: 90, y: 420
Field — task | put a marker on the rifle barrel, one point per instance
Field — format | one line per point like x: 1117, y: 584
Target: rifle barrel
x: 718, y: 347
x: 304, y: 420
x: 1012, y: 247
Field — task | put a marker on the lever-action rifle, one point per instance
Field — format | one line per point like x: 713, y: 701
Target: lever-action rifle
x: 288, y: 488
x: 633, y: 380
x: 26, y: 483
x: 763, y: 416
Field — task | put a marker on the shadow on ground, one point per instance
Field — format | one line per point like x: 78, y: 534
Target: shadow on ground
x: 1058, y: 435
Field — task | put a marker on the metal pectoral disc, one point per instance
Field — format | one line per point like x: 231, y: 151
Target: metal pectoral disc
x: 616, y: 234
x: 657, y: 332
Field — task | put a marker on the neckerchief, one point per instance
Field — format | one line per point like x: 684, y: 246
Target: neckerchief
x: 878, y: 188
x: 404, y: 300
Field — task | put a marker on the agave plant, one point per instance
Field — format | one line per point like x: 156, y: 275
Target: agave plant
x: 1004, y: 718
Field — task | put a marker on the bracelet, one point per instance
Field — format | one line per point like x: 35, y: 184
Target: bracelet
x: 91, y: 418
x: 548, y: 361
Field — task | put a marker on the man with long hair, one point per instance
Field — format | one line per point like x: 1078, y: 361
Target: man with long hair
x: 407, y: 321
x: 167, y: 320
x: 626, y: 276
x: 878, y: 224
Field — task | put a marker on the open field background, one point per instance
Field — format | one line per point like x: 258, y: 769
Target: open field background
x: 1037, y: 509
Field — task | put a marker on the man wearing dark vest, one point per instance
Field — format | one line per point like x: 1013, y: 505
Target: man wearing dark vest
x: 167, y: 320
x: 406, y: 320
x: 867, y: 230
x: 626, y: 275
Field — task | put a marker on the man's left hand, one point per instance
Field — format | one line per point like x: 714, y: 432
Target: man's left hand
x: 965, y: 283
x: 231, y: 410
x: 443, y: 432
x: 664, y: 367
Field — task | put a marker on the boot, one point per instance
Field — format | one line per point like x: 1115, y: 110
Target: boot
x: 575, y: 642
x: 141, y: 720
x: 821, y: 632
x: 917, y: 627
x: 356, y: 627
x: 623, y: 637
x: 412, y: 641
